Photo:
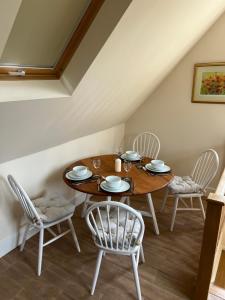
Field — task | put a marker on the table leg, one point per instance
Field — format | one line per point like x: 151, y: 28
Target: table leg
x: 152, y: 212
x: 109, y: 198
x: 86, y: 203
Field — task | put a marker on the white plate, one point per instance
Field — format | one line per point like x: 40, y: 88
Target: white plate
x: 151, y: 168
x: 70, y: 175
x: 123, y: 188
x: 123, y: 156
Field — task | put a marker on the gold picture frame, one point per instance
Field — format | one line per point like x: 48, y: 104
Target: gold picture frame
x: 209, y: 83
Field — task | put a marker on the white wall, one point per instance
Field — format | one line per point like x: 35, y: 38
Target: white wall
x: 184, y: 128
x: 43, y: 170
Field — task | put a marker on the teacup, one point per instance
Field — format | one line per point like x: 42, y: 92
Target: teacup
x: 113, y: 181
x: 131, y: 154
x: 157, y: 164
x: 80, y: 170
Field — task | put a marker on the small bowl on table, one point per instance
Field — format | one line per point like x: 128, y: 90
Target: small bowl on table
x: 113, y: 181
x: 157, y: 164
x: 80, y: 170
x: 131, y: 154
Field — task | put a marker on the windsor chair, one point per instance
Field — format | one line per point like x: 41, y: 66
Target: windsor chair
x: 147, y: 144
x: 42, y: 218
x: 116, y: 229
x: 202, y: 174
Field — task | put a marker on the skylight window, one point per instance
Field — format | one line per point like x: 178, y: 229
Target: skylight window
x: 44, y: 36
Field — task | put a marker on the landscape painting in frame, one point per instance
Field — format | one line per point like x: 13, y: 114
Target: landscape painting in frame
x: 209, y: 83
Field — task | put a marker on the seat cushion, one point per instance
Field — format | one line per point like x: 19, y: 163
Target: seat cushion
x: 132, y: 229
x: 183, y: 185
x: 53, y: 208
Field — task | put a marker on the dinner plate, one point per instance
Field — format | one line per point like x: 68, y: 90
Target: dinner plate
x: 162, y: 170
x: 70, y: 175
x: 123, y: 156
x: 125, y: 186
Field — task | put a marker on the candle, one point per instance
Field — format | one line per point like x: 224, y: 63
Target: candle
x: 117, y: 165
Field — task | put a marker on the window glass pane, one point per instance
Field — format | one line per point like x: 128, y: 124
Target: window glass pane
x: 41, y: 31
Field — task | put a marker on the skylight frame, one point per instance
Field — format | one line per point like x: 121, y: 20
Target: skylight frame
x: 13, y: 72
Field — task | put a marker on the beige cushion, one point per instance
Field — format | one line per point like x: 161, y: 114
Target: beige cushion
x: 183, y: 185
x: 53, y: 208
x: 113, y: 226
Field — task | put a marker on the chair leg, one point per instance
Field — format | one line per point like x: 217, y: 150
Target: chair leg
x: 184, y: 202
x: 24, y: 237
x: 137, y: 257
x: 164, y: 200
x: 98, y: 264
x: 74, y: 234
x: 136, y: 277
x: 40, y: 252
x: 123, y: 199
x: 142, y: 254
x: 85, y: 206
x: 174, y: 213
x: 152, y: 211
x: 59, y: 228
x: 51, y: 231
x: 202, y: 208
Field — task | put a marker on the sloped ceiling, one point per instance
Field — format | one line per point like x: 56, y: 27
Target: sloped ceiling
x: 147, y: 43
x: 149, y: 40
x: 7, y: 19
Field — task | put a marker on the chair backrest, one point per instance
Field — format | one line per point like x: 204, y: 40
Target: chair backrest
x: 147, y: 144
x: 205, y: 168
x: 25, y: 201
x: 115, y: 226
x: 125, y: 144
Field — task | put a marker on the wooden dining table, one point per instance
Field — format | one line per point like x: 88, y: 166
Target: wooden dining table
x: 143, y: 183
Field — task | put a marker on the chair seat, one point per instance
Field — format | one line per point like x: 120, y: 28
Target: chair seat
x: 53, y: 209
x: 183, y: 185
x: 132, y: 227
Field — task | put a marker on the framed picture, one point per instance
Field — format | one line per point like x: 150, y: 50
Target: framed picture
x: 209, y: 83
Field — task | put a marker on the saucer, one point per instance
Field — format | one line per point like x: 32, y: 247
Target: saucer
x: 70, y: 175
x: 161, y: 170
x: 125, y: 186
x: 124, y: 157
x: 111, y: 187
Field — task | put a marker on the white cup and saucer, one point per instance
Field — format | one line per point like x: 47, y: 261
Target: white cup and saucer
x: 157, y: 166
x: 114, y: 184
x: 79, y: 173
x: 131, y: 155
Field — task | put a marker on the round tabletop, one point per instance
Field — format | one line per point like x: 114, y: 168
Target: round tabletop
x: 142, y: 181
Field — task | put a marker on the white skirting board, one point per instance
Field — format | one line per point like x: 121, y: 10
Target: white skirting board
x: 12, y: 241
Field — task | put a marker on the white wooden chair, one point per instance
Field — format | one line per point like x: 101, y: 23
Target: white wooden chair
x: 41, y: 215
x: 116, y: 229
x: 203, y: 173
x: 147, y: 144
